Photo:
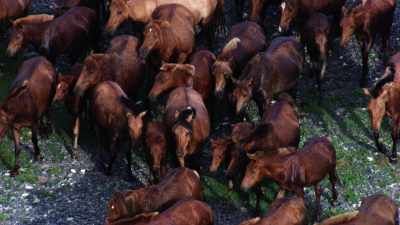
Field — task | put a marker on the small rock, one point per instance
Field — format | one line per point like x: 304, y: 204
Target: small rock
x: 43, y: 180
x: 83, y: 171
x: 370, y: 158
x: 24, y: 195
x: 73, y: 171
x: 69, y: 219
x: 28, y: 187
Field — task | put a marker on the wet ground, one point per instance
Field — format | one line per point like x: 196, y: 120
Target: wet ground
x: 62, y: 191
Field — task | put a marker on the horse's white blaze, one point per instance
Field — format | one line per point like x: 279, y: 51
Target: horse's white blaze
x: 283, y: 5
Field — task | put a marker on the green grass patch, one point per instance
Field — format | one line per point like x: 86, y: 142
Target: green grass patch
x: 3, y: 217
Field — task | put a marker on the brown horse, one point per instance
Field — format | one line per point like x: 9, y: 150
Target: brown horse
x: 113, y: 114
x: 28, y: 30
x: 120, y: 64
x: 385, y: 104
x: 283, y: 211
x: 187, y: 118
x: 294, y: 170
x: 366, y: 20
x: 29, y: 100
x: 245, y: 40
x: 170, y: 34
x: 13, y: 8
x: 272, y: 72
x: 142, y: 10
x: 156, y: 141
x: 392, y: 73
x: 302, y: 9
x: 178, y: 184
x: 197, y: 74
x: 376, y: 209
x: 315, y: 36
x: 64, y: 93
x: 257, y: 7
x: 69, y: 33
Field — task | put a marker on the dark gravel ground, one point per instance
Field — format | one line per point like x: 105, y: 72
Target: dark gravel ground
x: 61, y: 191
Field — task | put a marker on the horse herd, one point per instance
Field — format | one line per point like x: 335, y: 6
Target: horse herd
x: 202, y: 91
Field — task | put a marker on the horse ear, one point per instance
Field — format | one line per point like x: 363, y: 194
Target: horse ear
x: 366, y: 92
x: 176, y: 114
x: 167, y: 66
x: 142, y: 114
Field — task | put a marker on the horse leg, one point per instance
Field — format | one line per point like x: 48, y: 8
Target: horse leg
x: 333, y: 178
x: 76, y: 132
x: 113, y: 151
x: 36, y: 149
x: 318, y: 191
x: 17, y: 146
x: 395, y: 137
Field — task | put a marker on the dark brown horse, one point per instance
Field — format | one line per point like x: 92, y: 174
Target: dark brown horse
x: 13, y: 8
x: 188, y: 120
x: 28, y: 30
x: 370, y: 18
x: 170, y: 34
x: 178, y: 184
x: 29, y: 100
x: 120, y: 64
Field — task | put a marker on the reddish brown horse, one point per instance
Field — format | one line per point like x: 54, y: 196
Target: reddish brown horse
x: 272, y: 72
x: 170, y: 34
x: 294, y: 170
x: 28, y: 30
x: 187, y: 118
x: 120, y: 64
x: 245, y: 40
x: 315, y: 36
x: 366, y: 20
x: 156, y: 141
x: 178, y: 184
x: 302, y: 9
x: 385, y: 104
x: 114, y: 113
x: 283, y: 211
x: 197, y: 74
x: 64, y: 93
x: 31, y: 94
x: 69, y: 33
x: 141, y: 10
x: 374, y: 210
x: 13, y: 8
x: 392, y: 73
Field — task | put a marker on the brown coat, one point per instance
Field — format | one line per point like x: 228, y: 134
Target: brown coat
x: 280, y: 127
x: 31, y: 94
x: 69, y: 33
x: 366, y: 20
x: 245, y: 40
x: 142, y: 10
x: 386, y: 104
x: 171, y: 38
x: 13, y: 8
x: 392, y: 73
x: 187, y: 118
x: 297, y: 169
x: 178, y: 184
x: 284, y: 211
x: 374, y: 210
x: 113, y: 114
x: 156, y: 141
x: 315, y: 35
x: 185, y: 212
x: 120, y: 64
x: 28, y: 30
x: 196, y: 74
x: 272, y: 72
x: 302, y: 9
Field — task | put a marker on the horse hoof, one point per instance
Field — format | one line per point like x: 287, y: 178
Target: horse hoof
x: 393, y: 159
x: 38, y: 158
x: 14, y: 172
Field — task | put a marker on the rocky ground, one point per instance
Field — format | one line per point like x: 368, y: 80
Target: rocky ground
x: 62, y: 191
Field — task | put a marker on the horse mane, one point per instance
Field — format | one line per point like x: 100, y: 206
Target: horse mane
x: 33, y: 19
x: 231, y: 45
